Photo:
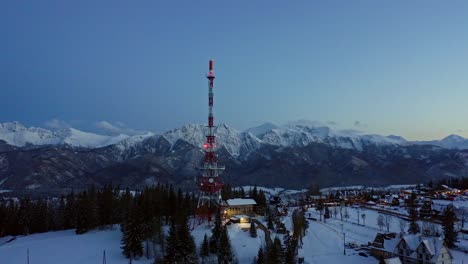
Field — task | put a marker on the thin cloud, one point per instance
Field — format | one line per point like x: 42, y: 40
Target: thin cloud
x: 115, y: 128
x: 56, y: 124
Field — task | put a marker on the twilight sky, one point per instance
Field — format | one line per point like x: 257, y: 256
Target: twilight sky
x: 387, y: 67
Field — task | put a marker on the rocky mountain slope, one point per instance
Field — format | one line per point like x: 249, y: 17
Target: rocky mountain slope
x: 294, y: 155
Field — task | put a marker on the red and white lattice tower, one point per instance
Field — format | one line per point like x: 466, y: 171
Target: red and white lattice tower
x: 209, y: 199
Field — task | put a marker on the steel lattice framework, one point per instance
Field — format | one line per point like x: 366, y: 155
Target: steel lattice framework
x: 209, y: 183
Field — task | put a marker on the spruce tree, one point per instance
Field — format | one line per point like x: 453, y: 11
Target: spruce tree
x: 69, y: 214
x: 275, y: 252
x: 260, y: 259
x: 216, y: 233
x: 171, y: 245
x: 225, y: 255
x: 205, y: 248
x: 290, y: 248
x: 132, y: 236
x: 413, y: 225
x: 253, y: 229
x: 82, y: 221
x: 448, y: 222
x: 186, y: 244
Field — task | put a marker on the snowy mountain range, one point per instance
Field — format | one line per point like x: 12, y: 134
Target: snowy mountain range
x: 292, y: 155
x: 293, y: 134
x: 18, y: 135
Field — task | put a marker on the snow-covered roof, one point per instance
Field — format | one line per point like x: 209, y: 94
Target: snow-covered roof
x: 240, y: 201
x: 433, y: 245
x: 395, y: 260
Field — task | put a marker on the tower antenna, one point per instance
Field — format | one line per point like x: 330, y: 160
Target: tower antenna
x: 209, y: 184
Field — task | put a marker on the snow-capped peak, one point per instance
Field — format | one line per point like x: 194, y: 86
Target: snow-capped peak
x: 449, y: 142
x: 233, y: 140
x: 261, y: 129
x: 14, y: 133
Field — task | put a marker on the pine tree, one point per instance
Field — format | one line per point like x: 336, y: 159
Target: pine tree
x: 413, y: 225
x: 205, y: 248
x: 186, y: 245
x: 24, y: 215
x: 216, y: 233
x: 82, y: 223
x: 69, y: 214
x: 275, y: 252
x: 132, y: 236
x: 253, y: 229
x: 269, y: 219
x: 290, y: 248
x: 260, y: 259
x: 171, y: 244
x: 225, y: 255
x: 448, y: 222
x: 105, y: 205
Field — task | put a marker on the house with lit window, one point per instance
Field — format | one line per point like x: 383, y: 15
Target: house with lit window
x: 411, y: 249
x: 239, y: 206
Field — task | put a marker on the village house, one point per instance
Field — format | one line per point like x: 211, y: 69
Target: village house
x: 411, y: 249
x: 239, y: 206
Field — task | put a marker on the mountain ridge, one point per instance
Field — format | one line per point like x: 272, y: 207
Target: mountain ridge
x: 294, y: 133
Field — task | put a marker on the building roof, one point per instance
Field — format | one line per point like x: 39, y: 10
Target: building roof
x: 433, y: 245
x: 395, y: 260
x: 240, y: 201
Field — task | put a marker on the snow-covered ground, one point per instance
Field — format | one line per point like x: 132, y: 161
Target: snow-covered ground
x: 244, y: 246
x: 323, y: 245
x: 362, y: 234
x: 66, y: 247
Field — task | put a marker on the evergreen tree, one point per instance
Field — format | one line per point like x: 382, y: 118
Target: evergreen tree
x: 69, y: 214
x: 105, y: 206
x: 171, y: 244
x: 261, y: 203
x: 3, y: 219
x: 269, y: 219
x: 24, y: 215
x: 448, y: 222
x: 275, y: 252
x: 413, y: 225
x: 225, y: 255
x: 216, y: 233
x: 82, y: 220
x: 253, y: 229
x: 290, y: 248
x: 205, y: 248
x: 260, y: 259
x: 186, y: 245
x: 132, y: 236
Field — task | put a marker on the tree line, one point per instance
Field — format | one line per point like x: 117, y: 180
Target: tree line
x: 141, y: 215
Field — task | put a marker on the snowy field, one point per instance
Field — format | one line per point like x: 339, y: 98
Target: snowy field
x: 323, y: 243
x: 66, y: 247
x: 244, y: 246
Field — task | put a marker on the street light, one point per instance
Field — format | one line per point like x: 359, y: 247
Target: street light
x: 344, y: 239
x: 344, y: 244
